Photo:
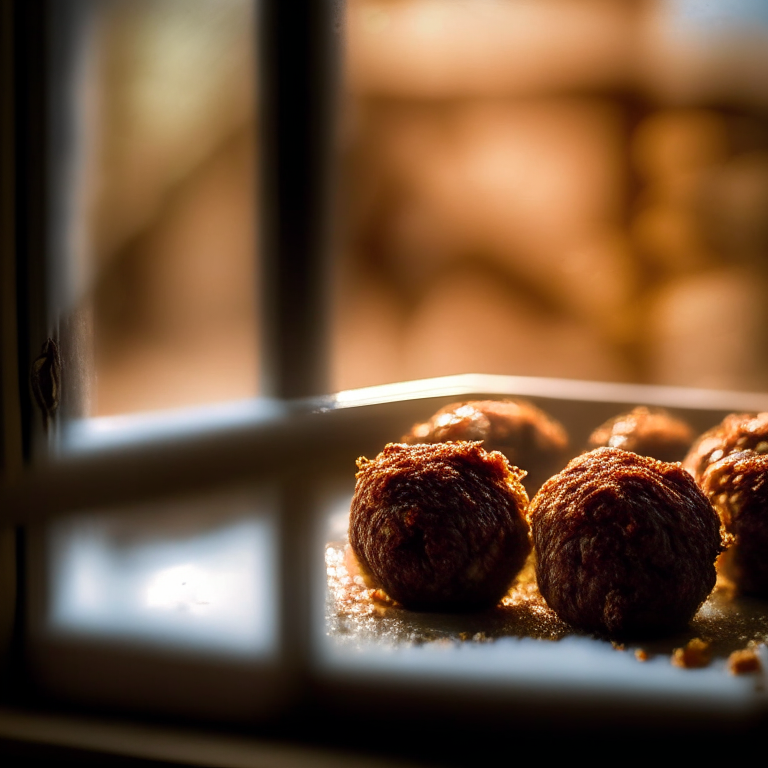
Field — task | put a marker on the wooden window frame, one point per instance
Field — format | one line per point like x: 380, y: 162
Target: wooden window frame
x: 42, y: 475
x: 297, y: 429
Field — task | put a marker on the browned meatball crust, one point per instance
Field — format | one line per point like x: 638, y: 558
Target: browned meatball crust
x: 737, y: 486
x: 527, y: 436
x: 625, y: 544
x: 736, y: 432
x: 648, y: 431
x: 440, y: 527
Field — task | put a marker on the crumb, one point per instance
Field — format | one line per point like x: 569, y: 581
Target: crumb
x: 526, y: 435
x: 744, y: 662
x: 440, y: 527
x: 380, y: 596
x: 648, y: 431
x: 736, y: 432
x: 695, y: 654
x: 641, y: 654
x: 737, y: 489
x: 618, y: 646
x: 607, y: 510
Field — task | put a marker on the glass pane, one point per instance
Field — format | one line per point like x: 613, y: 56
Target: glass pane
x: 166, y: 264
x: 558, y: 189
x: 196, y: 575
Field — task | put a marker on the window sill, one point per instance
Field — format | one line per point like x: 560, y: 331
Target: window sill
x: 92, y: 740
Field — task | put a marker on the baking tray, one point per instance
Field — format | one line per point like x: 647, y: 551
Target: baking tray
x: 519, y: 657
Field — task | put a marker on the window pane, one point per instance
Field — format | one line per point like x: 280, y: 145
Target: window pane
x: 168, y: 169
x: 166, y: 606
x: 554, y: 188
x: 572, y: 190
x: 196, y: 575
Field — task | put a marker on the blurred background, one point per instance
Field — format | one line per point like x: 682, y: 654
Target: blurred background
x: 568, y: 188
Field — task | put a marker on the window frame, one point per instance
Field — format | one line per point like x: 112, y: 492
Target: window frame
x: 43, y: 478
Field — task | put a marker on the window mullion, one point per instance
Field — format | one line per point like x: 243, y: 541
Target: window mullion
x: 298, y: 74
x: 10, y: 417
x: 30, y: 25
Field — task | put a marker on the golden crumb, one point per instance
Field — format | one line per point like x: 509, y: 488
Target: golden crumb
x: 695, y: 654
x: 744, y: 661
x: 440, y: 527
x: 380, y: 596
x: 641, y: 654
x: 618, y: 646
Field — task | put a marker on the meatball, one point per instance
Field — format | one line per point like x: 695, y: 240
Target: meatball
x: 737, y: 486
x: 440, y: 527
x: 736, y: 432
x: 526, y: 435
x: 625, y: 545
x: 648, y: 431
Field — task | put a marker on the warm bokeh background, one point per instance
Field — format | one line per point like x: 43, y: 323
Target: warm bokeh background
x: 173, y: 204
x: 562, y: 188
